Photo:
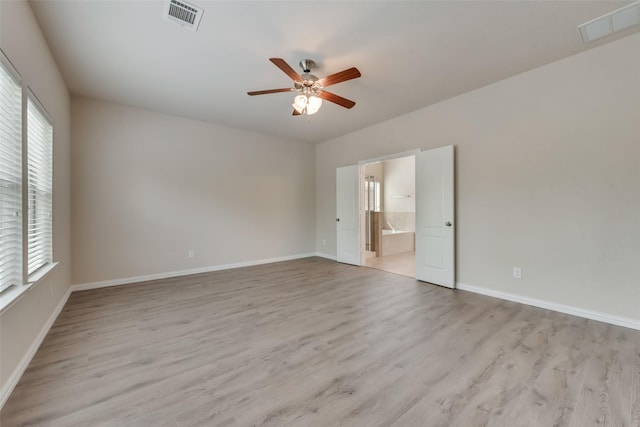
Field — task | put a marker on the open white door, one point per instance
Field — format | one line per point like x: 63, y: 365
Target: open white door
x: 435, y: 240
x: 347, y: 216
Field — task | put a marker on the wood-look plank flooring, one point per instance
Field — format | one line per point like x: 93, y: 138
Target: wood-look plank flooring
x: 312, y: 342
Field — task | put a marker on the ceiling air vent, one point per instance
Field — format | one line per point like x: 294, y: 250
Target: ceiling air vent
x: 184, y: 14
x: 610, y: 23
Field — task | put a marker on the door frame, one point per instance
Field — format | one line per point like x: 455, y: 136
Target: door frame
x: 408, y: 153
x: 389, y: 157
x: 362, y: 213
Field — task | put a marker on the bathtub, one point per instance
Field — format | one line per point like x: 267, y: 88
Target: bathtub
x: 397, y: 241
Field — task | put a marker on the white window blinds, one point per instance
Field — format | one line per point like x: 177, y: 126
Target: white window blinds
x: 10, y: 178
x: 40, y: 175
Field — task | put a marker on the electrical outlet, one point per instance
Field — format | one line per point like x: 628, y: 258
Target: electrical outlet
x: 324, y: 243
x: 192, y: 253
x: 172, y: 255
x: 517, y: 273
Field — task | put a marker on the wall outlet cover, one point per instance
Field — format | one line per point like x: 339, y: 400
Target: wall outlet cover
x: 517, y: 272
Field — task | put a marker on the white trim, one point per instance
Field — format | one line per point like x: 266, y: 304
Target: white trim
x: 390, y: 157
x: 171, y: 274
x: 13, y: 294
x: 11, y: 383
x: 566, y: 309
x: 43, y: 272
x: 31, y: 96
x: 327, y: 256
x: 6, y: 62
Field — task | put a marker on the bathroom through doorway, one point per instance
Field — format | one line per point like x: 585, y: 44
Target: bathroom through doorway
x: 388, y: 220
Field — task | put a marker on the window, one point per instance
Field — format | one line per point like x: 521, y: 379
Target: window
x: 10, y: 176
x: 17, y: 264
x: 372, y: 194
x: 40, y: 173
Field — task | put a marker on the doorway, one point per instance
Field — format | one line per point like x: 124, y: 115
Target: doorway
x: 388, y: 222
x: 434, y: 213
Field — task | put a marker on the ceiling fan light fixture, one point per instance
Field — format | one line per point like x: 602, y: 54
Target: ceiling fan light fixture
x: 300, y: 103
x: 309, y: 104
x: 314, y: 104
x: 310, y: 89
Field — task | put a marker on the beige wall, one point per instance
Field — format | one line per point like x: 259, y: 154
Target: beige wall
x: 146, y: 184
x: 548, y: 178
x: 23, y: 43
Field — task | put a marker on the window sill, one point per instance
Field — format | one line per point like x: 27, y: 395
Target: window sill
x: 42, y: 272
x: 15, y: 293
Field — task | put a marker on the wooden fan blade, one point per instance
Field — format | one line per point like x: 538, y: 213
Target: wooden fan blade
x: 264, y: 92
x: 332, y: 97
x: 342, y: 76
x: 280, y: 63
x: 296, y: 113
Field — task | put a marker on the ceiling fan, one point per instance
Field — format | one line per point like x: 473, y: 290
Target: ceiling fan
x: 311, y: 89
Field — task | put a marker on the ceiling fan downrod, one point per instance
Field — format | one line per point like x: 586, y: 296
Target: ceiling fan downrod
x: 307, y: 65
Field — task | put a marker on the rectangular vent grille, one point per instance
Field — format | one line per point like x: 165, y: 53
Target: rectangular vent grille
x: 183, y: 13
x: 610, y: 23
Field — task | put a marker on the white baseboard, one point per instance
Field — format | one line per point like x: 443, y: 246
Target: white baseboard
x: 11, y: 383
x: 327, y: 256
x: 566, y: 309
x: 171, y: 274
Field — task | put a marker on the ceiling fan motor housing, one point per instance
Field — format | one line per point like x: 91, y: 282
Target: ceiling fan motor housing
x: 308, y: 84
x: 307, y: 65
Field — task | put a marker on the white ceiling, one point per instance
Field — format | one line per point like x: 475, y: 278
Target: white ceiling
x: 411, y: 54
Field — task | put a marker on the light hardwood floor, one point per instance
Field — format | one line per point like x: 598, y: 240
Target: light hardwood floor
x: 315, y: 343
